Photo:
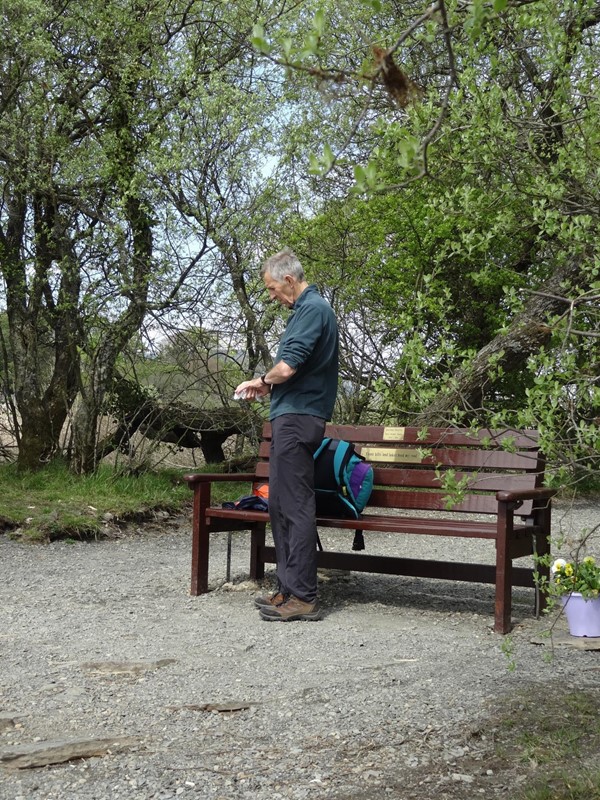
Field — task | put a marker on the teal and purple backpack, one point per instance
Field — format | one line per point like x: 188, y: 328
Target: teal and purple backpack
x: 343, y: 480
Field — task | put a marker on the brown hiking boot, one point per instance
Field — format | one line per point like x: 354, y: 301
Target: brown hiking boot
x: 292, y: 609
x: 274, y: 600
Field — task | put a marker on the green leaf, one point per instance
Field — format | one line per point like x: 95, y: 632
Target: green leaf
x: 286, y: 46
x: 258, y: 39
x: 319, y: 22
x: 500, y: 5
x: 328, y: 157
x: 311, y: 45
x: 314, y: 165
x: 360, y: 176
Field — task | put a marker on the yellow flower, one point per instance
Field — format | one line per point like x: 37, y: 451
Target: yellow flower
x: 569, y: 569
x: 589, y: 560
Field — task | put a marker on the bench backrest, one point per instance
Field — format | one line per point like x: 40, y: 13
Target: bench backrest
x: 439, y: 469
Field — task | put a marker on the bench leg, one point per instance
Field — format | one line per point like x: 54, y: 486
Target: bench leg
x: 200, y: 540
x: 257, y: 542
x: 503, y: 609
x: 542, y: 547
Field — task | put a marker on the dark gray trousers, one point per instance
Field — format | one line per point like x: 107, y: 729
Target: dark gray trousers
x: 295, y: 439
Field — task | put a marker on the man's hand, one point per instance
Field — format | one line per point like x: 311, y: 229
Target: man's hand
x: 251, y: 390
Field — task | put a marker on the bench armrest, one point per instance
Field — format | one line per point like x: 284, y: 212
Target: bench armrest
x: 214, y: 477
x: 541, y: 493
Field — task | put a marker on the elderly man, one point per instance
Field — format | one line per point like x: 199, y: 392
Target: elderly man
x: 303, y: 387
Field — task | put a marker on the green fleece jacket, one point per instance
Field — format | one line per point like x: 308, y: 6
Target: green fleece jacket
x: 309, y: 345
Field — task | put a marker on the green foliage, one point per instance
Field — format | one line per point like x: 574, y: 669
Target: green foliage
x: 508, y: 650
x: 130, y: 153
x: 456, y: 488
x: 430, y: 223
x: 446, y: 264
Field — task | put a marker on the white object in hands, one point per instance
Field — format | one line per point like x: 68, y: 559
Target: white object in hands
x: 243, y: 395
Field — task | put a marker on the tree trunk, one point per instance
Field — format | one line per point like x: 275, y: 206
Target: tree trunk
x: 137, y: 274
x: 40, y: 328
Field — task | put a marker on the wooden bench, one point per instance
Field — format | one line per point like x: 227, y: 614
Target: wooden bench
x: 485, y: 485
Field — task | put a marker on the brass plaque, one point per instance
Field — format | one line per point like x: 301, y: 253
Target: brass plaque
x: 391, y: 455
x: 393, y: 434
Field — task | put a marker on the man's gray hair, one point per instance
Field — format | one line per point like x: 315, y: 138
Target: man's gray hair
x: 284, y: 263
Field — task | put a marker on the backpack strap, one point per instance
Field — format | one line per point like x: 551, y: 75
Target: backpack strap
x: 359, y: 541
x: 342, y: 456
x: 323, y: 446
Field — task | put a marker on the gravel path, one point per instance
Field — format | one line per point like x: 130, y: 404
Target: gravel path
x: 393, y: 694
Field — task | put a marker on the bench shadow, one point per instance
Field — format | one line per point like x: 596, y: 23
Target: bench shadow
x: 342, y: 588
x: 421, y: 594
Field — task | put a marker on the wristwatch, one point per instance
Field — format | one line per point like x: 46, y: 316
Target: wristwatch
x: 263, y: 381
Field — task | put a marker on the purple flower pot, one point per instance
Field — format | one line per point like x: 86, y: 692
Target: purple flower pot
x: 583, y: 615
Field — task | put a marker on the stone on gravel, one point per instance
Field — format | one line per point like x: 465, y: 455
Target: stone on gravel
x: 41, y: 754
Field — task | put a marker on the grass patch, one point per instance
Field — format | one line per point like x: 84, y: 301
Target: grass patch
x: 563, y: 730
x: 555, y: 735
x: 560, y: 787
x: 55, y: 504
